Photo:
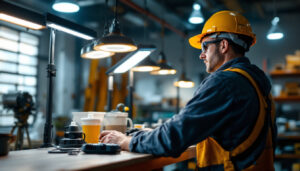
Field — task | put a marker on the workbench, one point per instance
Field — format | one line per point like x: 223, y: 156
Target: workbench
x: 40, y: 159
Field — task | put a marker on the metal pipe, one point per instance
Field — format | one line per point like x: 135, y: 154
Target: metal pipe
x: 153, y: 17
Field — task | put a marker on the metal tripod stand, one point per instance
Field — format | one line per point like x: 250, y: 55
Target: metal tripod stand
x: 21, y: 125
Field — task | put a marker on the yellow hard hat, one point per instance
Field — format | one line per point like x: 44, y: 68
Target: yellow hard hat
x: 224, y: 21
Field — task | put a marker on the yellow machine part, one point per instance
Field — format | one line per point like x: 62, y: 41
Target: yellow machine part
x: 96, y: 91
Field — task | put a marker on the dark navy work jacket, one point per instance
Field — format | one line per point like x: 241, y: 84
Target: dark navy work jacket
x: 225, y: 106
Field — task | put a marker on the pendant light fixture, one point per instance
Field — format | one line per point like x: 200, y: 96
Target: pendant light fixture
x: 165, y: 68
x: 115, y: 41
x: 196, y: 16
x: 183, y: 81
x: 66, y: 6
x: 147, y: 65
x: 275, y: 32
x: 88, y: 51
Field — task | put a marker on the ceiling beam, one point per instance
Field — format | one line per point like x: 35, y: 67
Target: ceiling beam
x: 153, y: 17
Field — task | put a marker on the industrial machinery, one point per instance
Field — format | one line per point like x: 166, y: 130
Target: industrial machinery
x: 22, y: 104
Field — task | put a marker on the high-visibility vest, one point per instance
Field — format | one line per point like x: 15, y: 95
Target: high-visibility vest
x: 210, y: 152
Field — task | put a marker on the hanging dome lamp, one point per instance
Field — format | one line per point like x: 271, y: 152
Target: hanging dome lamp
x: 165, y: 68
x: 115, y: 41
x: 184, y: 82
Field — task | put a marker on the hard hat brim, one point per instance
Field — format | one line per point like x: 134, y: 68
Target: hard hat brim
x: 195, y: 41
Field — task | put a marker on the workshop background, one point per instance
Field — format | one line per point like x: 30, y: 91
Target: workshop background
x: 155, y: 97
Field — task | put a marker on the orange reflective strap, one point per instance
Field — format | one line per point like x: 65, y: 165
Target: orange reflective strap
x: 261, y: 117
x: 210, y: 152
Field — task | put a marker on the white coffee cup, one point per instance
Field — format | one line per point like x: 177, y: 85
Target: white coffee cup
x: 78, y: 115
x: 117, y: 121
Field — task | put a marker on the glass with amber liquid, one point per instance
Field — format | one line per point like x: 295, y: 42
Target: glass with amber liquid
x: 91, y: 128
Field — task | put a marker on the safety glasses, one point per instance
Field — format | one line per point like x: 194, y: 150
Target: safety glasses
x: 204, y: 45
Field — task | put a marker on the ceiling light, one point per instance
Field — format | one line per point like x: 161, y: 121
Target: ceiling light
x: 66, y: 6
x: 21, y: 16
x: 196, y: 6
x: 196, y: 17
x: 66, y: 26
x: 165, y: 68
x: 184, y: 82
x: 131, y: 60
x: 146, y: 65
x: 115, y: 41
x: 89, y: 52
x: 275, y: 32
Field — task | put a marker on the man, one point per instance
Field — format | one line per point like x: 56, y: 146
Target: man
x: 230, y: 117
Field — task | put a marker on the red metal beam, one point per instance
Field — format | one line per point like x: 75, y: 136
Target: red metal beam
x: 153, y: 17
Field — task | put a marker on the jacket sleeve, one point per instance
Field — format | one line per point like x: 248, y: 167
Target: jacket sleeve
x: 202, y: 116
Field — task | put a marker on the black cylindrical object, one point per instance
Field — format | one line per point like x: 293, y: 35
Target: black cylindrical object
x: 73, y: 137
x: 4, y: 138
x: 51, y: 71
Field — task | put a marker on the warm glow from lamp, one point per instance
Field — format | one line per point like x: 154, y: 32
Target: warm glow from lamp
x: 20, y: 22
x: 146, y: 65
x: 116, y: 47
x: 184, y: 84
x: 145, y: 68
x: 89, y: 52
x: 96, y: 54
x: 164, y: 72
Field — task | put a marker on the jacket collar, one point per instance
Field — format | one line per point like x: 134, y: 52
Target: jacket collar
x: 234, y: 61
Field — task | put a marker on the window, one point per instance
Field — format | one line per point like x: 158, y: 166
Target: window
x: 18, y: 67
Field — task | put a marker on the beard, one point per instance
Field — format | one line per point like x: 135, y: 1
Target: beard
x: 215, y: 61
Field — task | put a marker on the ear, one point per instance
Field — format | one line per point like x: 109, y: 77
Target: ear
x: 224, y: 46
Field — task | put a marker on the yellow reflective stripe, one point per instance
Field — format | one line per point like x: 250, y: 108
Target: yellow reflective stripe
x: 260, y: 120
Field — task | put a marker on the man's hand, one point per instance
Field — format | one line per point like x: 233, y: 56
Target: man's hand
x: 115, y: 137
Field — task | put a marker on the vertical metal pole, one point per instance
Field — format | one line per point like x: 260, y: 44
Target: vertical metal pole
x: 110, y: 92
x: 178, y: 100
x: 130, y: 92
x: 51, y: 73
